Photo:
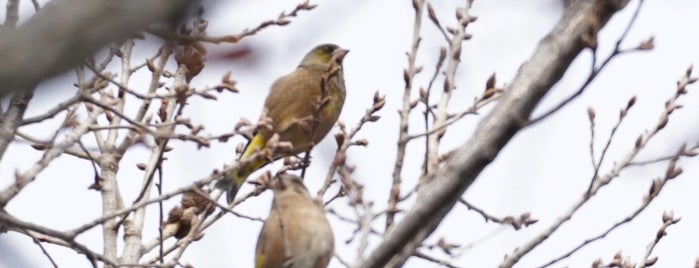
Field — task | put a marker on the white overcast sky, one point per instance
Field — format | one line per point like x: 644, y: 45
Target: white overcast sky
x: 543, y: 170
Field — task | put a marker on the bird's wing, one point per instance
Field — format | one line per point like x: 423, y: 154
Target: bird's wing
x: 292, y: 97
x: 269, y: 251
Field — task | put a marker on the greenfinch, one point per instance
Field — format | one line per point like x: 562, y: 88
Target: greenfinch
x: 296, y: 232
x: 302, y: 106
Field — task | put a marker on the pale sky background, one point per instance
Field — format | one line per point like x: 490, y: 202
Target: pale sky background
x: 543, y: 170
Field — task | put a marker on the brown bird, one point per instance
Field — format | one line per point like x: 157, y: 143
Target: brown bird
x: 302, y: 111
x: 296, y: 233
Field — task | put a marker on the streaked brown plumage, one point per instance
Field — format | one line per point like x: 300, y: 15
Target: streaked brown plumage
x: 296, y: 233
x: 290, y: 105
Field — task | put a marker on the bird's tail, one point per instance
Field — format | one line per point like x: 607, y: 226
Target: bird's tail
x: 229, y: 185
x: 231, y: 182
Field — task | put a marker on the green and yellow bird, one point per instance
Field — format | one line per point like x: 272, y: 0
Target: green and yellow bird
x: 292, y: 106
x: 296, y: 232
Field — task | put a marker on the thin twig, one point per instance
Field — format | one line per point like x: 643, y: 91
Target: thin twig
x: 346, y: 139
x: 281, y: 20
x: 440, y: 263
x: 408, y: 76
x: 43, y: 250
x: 425, y: 94
x: 516, y: 223
x: 597, y: 166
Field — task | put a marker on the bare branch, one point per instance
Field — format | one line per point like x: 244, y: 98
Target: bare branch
x: 551, y: 59
x: 408, y: 76
x: 655, y: 188
x: 516, y: 223
x: 668, y: 219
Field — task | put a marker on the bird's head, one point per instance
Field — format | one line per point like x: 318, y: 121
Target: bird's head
x: 324, y: 54
x: 289, y: 184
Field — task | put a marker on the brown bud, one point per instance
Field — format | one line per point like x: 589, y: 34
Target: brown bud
x: 378, y: 105
x: 406, y: 76
x: 442, y: 54
x: 668, y: 216
x: 662, y: 124
x: 109, y: 116
x: 423, y: 94
x: 38, y: 146
x: 197, y: 129
x: 283, y: 22
x: 660, y: 234
x: 441, y: 133
x: 151, y: 65
x: 243, y: 122
x: 451, y: 30
x: 489, y: 93
x: 141, y: 166
x: 207, y: 96
x: 638, y: 141
x: 339, y: 159
x: 362, y: 142
x: 652, y: 260
x: 460, y: 13
x: 339, y: 139
x: 647, y: 45
x: 490, y: 83
x: 378, y: 97
x: 416, y: 4
x: 413, y: 104
x: 675, y: 172
x: 591, y: 113
x: 597, y: 263
x: 631, y: 102
x: 616, y: 262
x: 432, y: 15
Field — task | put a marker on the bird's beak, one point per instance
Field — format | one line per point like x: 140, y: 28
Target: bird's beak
x: 339, y: 54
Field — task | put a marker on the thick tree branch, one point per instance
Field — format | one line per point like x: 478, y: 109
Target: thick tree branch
x: 39, y: 48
